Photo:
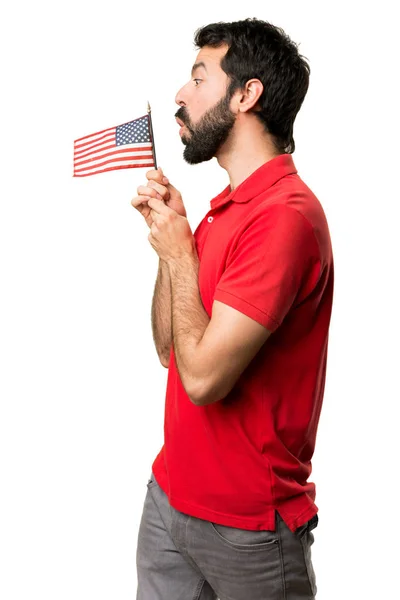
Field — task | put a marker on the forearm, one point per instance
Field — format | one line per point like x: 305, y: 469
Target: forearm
x: 189, y: 320
x: 161, y: 312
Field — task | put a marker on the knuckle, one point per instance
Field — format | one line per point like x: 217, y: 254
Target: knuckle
x: 154, y: 186
x: 161, y: 190
x: 148, y: 191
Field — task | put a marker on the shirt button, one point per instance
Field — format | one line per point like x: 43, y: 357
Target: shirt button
x: 210, y: 219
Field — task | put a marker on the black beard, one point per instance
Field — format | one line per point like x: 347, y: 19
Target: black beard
x: 209, y: 134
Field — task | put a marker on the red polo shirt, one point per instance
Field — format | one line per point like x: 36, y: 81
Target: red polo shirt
x: 265, y: 250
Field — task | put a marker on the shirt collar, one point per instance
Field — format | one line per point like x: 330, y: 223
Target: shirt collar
x: 260, y: 180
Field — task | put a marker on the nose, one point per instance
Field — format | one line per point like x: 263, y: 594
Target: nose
x: 180, y: 96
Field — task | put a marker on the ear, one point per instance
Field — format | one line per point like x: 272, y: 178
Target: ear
x: 248, y: 97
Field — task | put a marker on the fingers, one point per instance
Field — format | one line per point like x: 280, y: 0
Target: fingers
x: 154, y: 190
x: 138, y: 200
x: 157, y: 175
x: 161, y: 189
x: 143, y: 197
x: 156, y: 178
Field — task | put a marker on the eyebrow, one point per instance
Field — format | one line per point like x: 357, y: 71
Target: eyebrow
x: 197, y: 65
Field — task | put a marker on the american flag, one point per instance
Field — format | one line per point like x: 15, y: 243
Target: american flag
x: 122, y: 147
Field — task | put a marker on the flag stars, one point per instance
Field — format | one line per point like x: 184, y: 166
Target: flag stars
x: 136, y: 131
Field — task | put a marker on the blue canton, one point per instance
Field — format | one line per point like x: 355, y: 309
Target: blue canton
x: 134, y: 132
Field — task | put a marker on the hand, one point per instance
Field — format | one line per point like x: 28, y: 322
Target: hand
x: 154, y: 189
x: 170, y: 236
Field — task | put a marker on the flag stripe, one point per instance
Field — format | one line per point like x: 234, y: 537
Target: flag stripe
x: 93, y: 134
x: 108, y: 140
x: 83, y: 154
x: 86, y: 145
x: 149, y: 164
x: 114, y: 160
x: 98, y: 151
x: 133, y: 152
x: 145, y: 154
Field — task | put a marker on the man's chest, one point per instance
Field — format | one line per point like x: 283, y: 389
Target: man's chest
x: 215, y: 238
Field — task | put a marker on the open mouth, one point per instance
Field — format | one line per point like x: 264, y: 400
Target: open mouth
x: 182, y: 126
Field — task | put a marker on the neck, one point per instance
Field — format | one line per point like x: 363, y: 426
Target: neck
x: 244, y: 152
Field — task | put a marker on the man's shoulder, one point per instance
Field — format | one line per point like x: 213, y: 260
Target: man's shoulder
x: 291, y: 193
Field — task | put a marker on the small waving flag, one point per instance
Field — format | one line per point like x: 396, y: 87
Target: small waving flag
x: 125, y: 146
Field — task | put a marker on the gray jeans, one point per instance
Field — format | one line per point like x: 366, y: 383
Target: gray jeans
x: 180, y: 557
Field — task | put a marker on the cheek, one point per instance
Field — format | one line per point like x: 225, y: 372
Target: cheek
x: 200, y: 103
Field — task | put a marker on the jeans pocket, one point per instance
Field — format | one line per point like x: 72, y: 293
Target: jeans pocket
x: 245, y: 539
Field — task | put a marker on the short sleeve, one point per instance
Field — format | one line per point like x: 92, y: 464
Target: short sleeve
x: 273, y: 258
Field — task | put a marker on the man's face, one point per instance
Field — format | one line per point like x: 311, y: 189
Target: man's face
x: 205, y: 107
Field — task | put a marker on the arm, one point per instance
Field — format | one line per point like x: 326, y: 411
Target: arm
x: 161, y: 314
x: 273, y: 267
x: 211, y: 353
x: 189, y: 319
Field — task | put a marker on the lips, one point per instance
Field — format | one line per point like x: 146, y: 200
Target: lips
x: 181, y: 123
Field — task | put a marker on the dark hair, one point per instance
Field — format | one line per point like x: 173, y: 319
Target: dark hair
x: 263, y: 51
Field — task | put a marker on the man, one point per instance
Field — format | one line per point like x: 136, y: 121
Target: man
x: 240, y: 317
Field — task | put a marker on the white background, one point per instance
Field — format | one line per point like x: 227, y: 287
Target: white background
x: 82, y: 390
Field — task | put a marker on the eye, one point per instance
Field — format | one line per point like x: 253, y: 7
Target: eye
x: 196, y: 80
